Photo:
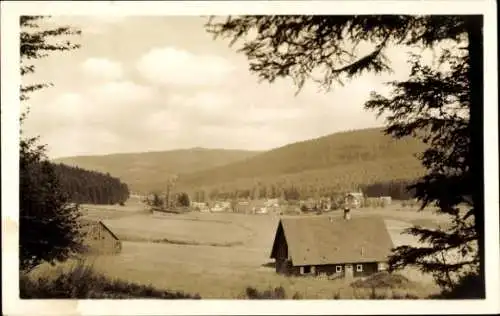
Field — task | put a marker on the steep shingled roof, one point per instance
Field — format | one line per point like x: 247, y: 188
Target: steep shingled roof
x: 86, y: 223
x: 331, y: 240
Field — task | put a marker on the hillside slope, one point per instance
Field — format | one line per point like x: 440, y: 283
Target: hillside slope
x: 148, y: 171
x: 334, y: 162
x: 339, y: 160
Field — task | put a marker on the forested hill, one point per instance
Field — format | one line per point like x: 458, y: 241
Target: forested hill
x: 148, y: 171
x: 90, y: 187
x: 341, y: 160
x: 334, y: 162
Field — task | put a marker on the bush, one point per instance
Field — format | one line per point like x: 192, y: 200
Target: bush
x: 48, y: 222
x: 467, y: 288
x: 278, y: 293
x: 82, y: 282
x: 383, y: 280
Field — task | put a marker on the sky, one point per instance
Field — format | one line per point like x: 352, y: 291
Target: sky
x: 161, y: 83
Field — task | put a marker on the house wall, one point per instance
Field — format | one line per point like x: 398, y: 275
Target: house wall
x: 98, y: 240
x: 368, y: 269
x: 330, y: 270
x: 283, y: 262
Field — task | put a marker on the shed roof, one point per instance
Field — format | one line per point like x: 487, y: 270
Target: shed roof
x: 355, y: 194
x: 331, y: 240
x: 86, y: 223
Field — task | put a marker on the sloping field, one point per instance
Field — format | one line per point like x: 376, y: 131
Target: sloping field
x: 219, y: 255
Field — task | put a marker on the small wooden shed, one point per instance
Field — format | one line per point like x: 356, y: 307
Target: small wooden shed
x: 98, y: 238
x: 339, y: 246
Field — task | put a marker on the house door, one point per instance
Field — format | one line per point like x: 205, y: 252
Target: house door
x: 349, y: 271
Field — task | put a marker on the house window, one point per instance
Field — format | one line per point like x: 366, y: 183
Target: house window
x: 338, y: 269
x: 359, y: 268
x: 307, y: 269
x: 382, y: 266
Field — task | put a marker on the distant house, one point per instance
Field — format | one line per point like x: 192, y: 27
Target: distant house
x: 308, y: 205
x: 341, y: 247
x: 325, y: 204
x: 222, y: 206
x: 385, y: 200
x: 261, y: 210
x: 98, y: 238
x: 200, y: 206
x: 243, y: 207
x: 272, y: 203
x: 354, y: 199
x: 373, y: 202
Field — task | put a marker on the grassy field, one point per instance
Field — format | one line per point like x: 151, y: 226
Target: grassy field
x: 219, y: 255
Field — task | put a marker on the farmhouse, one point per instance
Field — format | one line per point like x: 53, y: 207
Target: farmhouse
x: 342, y: 247
x: 98, y: 238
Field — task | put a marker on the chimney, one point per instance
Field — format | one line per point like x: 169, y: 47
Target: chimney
x: 347, y: 214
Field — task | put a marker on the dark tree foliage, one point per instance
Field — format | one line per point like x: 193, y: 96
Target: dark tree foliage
x: 291, y: 194
x: 48, y: 229
x: 440, y: 104
x: 36, y: 43
x: 91, y: 187
x: 200, y: 196
x: 397, y: 189
x: 155, y: 201
x: 433, y: 105
x: 48, y: 226
x: 183, y: 199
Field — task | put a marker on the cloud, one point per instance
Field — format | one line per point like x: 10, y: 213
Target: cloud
x: 204, y: 101
x: 172, y: 66
x: 121, y: 93
x: 67, y: 110
x: 102, y: 68
x: 81, y: 141
x: 110, y: 105
x: 163, y: 121
x: 100, y: 24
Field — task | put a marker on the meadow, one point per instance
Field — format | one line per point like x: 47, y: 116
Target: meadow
x: 220, y: 255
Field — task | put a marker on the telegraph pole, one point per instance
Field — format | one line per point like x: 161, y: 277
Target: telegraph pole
x: 170, y: 185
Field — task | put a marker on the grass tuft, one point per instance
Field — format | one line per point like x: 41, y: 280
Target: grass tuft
x: 384, y: 280
x: 82, y: 282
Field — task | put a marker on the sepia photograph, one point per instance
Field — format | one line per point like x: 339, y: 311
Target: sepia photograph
x: 223, y: 152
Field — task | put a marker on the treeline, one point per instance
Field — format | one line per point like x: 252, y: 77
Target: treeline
x: 158, y: 201
x: 313, y: 183
x: 362, y: 156
x: 342, y: 159
x: 397, y: 189
x: 260, y: 192
x: 90, y: 187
